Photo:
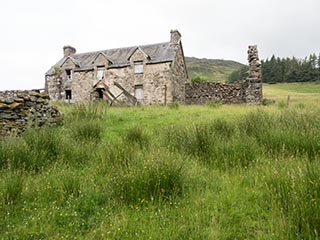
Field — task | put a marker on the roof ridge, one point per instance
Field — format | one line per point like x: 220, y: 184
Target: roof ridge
x: 112, y: 49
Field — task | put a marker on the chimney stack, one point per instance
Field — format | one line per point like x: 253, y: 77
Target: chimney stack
x: 175, y: 38
x: 68, y: 50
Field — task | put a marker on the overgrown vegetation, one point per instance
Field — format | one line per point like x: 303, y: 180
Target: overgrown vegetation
x: 186, y: 172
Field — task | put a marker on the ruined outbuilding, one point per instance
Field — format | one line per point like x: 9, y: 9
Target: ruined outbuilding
x: 246, y: 91
x: 146, y: 74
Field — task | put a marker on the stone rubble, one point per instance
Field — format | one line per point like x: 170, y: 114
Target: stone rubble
x: 18, y: 109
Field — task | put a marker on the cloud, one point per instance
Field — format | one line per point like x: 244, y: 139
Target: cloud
x: 34, y: 31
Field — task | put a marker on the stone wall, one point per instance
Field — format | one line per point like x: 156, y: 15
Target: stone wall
x: 179, y: 76
x: 247, y: 91
x: 200, y: 93
x: 20, y: 108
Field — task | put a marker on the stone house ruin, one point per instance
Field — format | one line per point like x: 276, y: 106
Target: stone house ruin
x: 148, y: 74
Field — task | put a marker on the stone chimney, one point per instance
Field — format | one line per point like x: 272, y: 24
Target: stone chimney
x: 175, y: 38
x: 68, y: 50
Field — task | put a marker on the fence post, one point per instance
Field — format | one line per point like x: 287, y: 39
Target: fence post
x: 288, y: 101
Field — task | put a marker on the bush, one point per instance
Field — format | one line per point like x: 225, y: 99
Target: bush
x: 199, y: 79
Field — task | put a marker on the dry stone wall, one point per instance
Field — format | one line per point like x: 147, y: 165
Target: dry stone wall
x: 20, y: 108
x: 247, y: 91
x: 200, y: 93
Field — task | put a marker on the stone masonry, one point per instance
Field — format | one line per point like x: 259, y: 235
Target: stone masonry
x: 153, y: 74
x: 201, y: 93
x: 247, y: 91
x: 18, y: 109
x: 253, y: 82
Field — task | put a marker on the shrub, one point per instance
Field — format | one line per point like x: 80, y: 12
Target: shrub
x: 199, y: 79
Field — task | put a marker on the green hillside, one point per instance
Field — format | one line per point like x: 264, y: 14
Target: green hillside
x: 216, y: 70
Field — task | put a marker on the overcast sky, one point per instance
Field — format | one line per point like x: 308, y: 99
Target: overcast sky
x: 33, y: 32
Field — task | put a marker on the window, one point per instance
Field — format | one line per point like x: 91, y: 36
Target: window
x: 138, y: 92
x: 69, y: 74
x: 100, y: 73
x: 138, y: 67
x: 68, y: 94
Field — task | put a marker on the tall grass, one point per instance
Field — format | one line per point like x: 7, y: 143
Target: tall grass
x: 84, y: 130
x: 153, y: 180
x: 297, y: 194
x: 12, y: 188
x: 205, y: 173
x: 137, y: 135
x: 92, y: 110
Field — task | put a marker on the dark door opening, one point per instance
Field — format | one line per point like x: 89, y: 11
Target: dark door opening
x: 100, y: 93
x: 68, y: 94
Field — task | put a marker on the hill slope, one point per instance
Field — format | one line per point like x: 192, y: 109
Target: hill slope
x: 216, y: 70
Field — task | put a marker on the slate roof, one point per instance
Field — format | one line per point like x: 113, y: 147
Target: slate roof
x: 160, y: 52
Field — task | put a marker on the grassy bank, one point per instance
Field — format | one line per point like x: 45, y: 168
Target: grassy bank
x: 166, y: 172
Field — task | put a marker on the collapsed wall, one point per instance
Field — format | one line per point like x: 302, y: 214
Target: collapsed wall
x: 18, y: 109
x: 200, y: 93
x: 246, y: 91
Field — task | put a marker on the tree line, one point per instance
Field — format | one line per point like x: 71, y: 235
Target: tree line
x: 284, y: 70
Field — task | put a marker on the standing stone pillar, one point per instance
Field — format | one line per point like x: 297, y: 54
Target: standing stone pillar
x: 253, y: 83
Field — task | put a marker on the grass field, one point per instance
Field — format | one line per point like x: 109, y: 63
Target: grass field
x: 168, y: 172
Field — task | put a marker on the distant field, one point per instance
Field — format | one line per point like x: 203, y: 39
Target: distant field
x: 300, y: 93
x: 293, y: 89
x: 168, y: 172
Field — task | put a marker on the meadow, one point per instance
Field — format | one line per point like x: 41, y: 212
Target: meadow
x: 168, y: 172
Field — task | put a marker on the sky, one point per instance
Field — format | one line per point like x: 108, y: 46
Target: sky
x: 33, y: 32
